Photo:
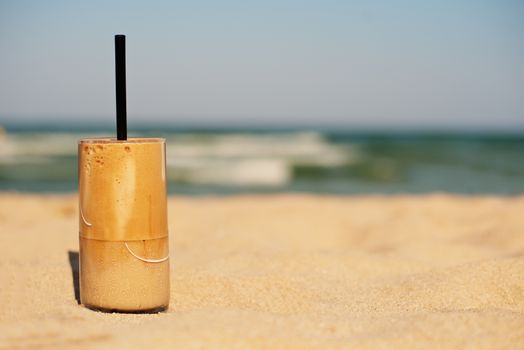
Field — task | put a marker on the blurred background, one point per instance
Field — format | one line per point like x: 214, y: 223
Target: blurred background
x: 335, y: 97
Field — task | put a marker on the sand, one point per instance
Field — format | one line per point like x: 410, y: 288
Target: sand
x: 284, y: 271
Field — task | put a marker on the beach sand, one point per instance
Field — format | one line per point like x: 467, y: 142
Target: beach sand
x: 283, y: 271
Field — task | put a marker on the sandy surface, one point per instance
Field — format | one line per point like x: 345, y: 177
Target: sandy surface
x: 436, y: 271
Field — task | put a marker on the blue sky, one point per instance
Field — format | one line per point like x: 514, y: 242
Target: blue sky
x: 367, y: 63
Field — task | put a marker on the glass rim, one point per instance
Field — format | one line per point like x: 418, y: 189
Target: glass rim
x: 113, y: 140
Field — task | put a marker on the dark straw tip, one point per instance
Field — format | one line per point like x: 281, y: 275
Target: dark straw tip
x: 120, y: 77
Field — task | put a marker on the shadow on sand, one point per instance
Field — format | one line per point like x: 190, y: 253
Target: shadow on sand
x: 73, y: 262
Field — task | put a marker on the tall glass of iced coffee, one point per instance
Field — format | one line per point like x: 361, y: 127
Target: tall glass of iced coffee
x: 124, y: 257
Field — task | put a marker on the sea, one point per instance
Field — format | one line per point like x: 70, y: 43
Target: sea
x: 232, y: 160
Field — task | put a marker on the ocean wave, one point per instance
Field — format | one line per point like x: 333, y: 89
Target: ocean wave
x: 239, y: 172
x: 38, y: 145
x: 224, y: 159
x: 232, y: 161
x: 250, y: 160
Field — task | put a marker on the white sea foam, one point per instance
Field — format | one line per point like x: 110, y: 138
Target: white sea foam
x: 238, y: 172
x: 37, y: 147
x: 248, y: 159
x: 34, y: 145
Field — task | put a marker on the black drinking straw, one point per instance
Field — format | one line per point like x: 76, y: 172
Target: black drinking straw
x: 120, y: 70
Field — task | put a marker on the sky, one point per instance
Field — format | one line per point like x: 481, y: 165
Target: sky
x: 452, y: 64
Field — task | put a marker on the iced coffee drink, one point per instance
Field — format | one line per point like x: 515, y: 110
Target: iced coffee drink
x: 124, y: 257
